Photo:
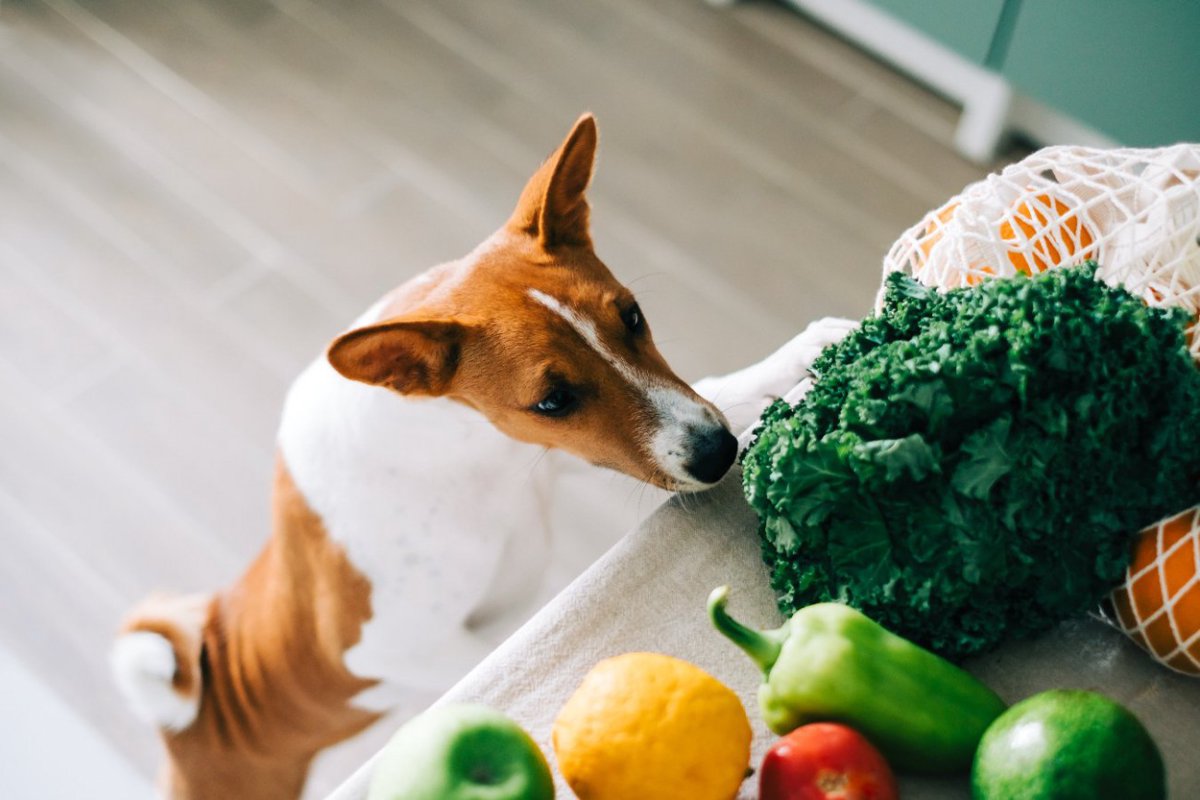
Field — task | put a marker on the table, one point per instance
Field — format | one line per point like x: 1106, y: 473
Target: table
x: 649, y: 593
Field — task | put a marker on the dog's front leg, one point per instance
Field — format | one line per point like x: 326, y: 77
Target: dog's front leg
x: 743, y: 395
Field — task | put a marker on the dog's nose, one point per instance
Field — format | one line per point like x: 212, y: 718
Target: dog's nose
x: 713, y: 453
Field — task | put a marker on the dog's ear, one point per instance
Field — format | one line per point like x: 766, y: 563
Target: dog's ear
x: 409, y: 356
x: 552, y: 207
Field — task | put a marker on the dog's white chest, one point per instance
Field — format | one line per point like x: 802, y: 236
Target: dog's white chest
x: 442, y: 513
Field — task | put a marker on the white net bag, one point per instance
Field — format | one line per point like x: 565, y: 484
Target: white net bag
x: 1136, y: 212
x: 1158, y: 605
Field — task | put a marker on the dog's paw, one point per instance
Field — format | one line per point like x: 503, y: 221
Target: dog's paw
x: 795, y: 357
x: 828, y: 330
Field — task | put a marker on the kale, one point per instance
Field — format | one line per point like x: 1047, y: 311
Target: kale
x: 970, y: 466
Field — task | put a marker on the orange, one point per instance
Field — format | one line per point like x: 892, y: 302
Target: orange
x: 1158, y: 605
x: 1044, y: 232
x: 933, y: 230
x: 933, y: 234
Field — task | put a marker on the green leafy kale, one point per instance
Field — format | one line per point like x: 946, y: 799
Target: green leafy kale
x: 970, y: 466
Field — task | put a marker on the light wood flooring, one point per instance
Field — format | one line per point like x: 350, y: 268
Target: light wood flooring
x: 195, y: 195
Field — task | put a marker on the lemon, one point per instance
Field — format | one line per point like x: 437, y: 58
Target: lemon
x: 652, y: 727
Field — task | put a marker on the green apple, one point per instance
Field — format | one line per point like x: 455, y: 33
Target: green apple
x: 461, y: 752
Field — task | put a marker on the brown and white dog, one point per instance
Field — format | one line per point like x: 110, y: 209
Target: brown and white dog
x: 400, y: 525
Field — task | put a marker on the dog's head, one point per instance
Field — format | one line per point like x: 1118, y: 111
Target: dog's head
x: 533, y: 331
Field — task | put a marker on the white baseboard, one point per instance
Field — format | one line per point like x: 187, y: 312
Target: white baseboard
x: 1046, y: 126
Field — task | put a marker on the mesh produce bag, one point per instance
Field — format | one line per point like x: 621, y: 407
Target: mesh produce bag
x: 1158, y: 606
x: 1137, y: 213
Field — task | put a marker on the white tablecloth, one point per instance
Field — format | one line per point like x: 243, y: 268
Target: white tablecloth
x: 649, y: 593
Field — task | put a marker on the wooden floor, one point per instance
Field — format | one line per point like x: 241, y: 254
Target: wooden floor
x: 196, y: 194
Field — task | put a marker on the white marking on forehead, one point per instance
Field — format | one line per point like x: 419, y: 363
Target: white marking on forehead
x: 679, y: 415
x: 587, y: 331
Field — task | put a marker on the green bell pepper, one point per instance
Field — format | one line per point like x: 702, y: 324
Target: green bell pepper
x: 831, y: 662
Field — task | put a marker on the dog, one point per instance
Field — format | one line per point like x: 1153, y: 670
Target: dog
x: 400, y: 527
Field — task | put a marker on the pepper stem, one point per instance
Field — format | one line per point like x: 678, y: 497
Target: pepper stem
x: 762, y: 646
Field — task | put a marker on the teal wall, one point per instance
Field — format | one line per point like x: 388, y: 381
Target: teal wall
x: 1128, y: 68
x: 965, y: 27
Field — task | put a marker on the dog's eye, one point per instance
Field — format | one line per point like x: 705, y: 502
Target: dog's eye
x: 558, y: 403
x: 632, y: 317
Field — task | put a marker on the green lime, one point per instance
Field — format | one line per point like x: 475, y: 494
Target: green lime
x: 1067, y: 745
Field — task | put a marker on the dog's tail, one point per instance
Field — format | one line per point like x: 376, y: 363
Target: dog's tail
x: 156, y: 659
